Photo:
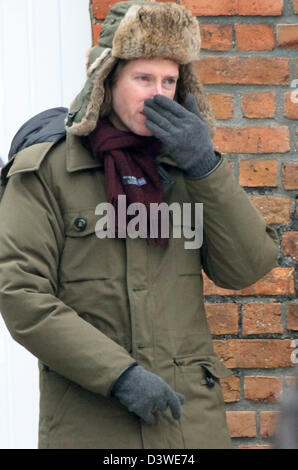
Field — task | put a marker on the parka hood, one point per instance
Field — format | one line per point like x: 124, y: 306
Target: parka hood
x: 140, y: 29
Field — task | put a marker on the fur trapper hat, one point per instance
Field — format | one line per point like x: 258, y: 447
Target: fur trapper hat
x: 140, y: 29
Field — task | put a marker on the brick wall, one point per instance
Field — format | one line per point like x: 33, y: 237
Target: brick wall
x: 248, y: 64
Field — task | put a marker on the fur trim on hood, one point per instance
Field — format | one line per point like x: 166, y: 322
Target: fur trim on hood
x: 135, y: 29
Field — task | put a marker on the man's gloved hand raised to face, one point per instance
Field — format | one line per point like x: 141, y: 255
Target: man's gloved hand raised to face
x: 144, y: 393
x: 183, y: 130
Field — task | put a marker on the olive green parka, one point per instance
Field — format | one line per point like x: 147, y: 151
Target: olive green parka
x: 87, y: 307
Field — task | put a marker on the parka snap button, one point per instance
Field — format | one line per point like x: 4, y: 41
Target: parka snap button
x: 80, y: 224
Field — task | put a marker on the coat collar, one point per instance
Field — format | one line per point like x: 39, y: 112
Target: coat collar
x: 78, y: 157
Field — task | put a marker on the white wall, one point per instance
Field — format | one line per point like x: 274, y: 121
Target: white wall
x: 43, y: 45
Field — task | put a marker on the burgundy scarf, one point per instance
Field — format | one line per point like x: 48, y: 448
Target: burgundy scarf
x: 129, y: 170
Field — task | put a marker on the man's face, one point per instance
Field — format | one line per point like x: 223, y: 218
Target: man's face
x: 138, y: 80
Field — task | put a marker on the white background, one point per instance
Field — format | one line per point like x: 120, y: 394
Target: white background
x: 43, y: 45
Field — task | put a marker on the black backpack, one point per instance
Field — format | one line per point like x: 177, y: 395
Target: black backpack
x: 47, y: 126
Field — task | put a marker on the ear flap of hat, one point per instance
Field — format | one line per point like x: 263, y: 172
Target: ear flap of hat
x: 84, y: 110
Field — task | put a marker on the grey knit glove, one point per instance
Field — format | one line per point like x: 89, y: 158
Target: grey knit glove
x: 183, y: 130
x: 145, y: 393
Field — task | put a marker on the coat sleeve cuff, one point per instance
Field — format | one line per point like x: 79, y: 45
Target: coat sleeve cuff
x: 220, y: 160
x: 111, y: 389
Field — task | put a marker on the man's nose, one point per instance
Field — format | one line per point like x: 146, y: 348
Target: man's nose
x: 158, y: 89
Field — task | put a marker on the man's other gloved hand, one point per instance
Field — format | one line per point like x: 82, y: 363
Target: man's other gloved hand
x: 144, y: 393
x: 184, y: 131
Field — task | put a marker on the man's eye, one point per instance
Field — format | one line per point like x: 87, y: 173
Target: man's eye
x: 170, y: 81
x: 143, y: 78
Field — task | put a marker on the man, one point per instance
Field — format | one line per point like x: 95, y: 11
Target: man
x: 118, y: 323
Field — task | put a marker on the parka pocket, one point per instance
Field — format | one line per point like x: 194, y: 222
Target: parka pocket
x: 203, y: 420
x: 190, y: 364
x: 88, y: 253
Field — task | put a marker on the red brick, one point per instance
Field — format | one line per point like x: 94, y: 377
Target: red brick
x: 279, y: 281
x: 222, y: 105
x: 102, y: 7
x: 231, y: 388
x: 292, y: 317
x: 290, y: 175
x: 216, y: 37
x: 255, y: 353
x: 258, y: 172
x: 295, y: 4
x: 287, y: 36
x: 96, y: 28
x: 260, y: 7
x: 261, y: 318
x: 290, y: 104
x: 244, y: 70
x: 261, y: 139
x: 275, y: 210
x: 234, y: 7
x: 242, y: 423
x: 254, y: 37
x: 269, y: 422
x: 289, y: 244
x: 258, y: 105
x: 222, y: 318
x: 263, y: 389
x: 214, y: 8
